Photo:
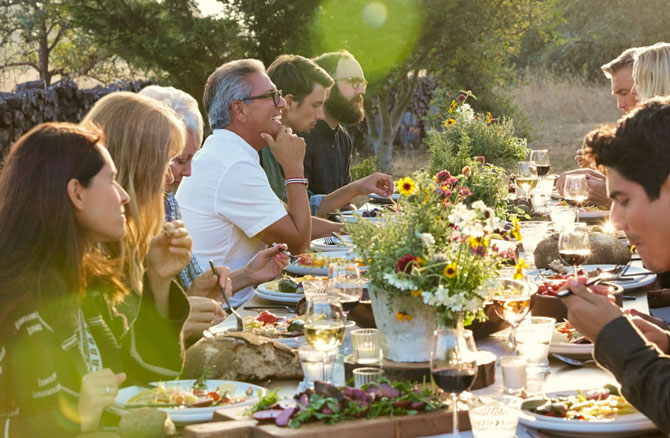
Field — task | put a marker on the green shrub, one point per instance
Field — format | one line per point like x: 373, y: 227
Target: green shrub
x: 366, y: 167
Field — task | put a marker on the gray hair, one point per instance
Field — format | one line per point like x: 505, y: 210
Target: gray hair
x: 182, y: 103
x: 227, y: 84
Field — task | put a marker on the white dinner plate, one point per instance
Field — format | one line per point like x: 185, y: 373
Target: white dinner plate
x: 321, y: 245
x: 189, y: 415
x: 596, y: 214
x: 277, y: 297
x: 384, y: 200
x: 571, y: 350
x: 645, y: 278
x: 295, y: 268
x: 625, y: 425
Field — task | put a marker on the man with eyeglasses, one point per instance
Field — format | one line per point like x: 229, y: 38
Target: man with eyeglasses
x: 329, y: 145
x: 305, y: 86
x: 227, y: 203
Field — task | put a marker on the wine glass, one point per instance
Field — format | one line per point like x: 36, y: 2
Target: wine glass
x: 344, y: 282
x: 541, y: 159
x: 574, y: 246
x: 512, y: 303
x: 576, y: 189
x: 324, y: 326
x: 526, y: 176
x: 453, y: 365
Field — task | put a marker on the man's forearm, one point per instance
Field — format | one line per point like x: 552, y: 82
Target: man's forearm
x: 337, y: 199
x: 322, y: 227
x: 299, y: 212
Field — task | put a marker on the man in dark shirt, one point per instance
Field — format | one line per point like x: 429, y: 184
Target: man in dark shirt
x: 329, y: 146
x: 636, y: 155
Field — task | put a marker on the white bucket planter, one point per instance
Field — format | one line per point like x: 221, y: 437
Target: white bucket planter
x: 403, y: 341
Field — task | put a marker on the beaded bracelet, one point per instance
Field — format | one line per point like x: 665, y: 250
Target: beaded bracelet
x: 296, y: 181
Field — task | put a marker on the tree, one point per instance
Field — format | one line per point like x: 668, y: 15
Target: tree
x: 168, y: 40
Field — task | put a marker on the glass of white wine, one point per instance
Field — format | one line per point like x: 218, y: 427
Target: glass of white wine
x: 526, y: 176
x: 324, y: 325
x: 576, y: 189
x: 512, y: 303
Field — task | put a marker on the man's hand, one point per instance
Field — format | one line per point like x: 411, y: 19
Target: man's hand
x: 377, y: 183
x: 98, y: 391
x: 205, y: 313
x: 170, y: 251
x: 653, y: 333
x: 206, y: 285
x: 560, y: 183
x: 589, y: 310
x: 289, y: 150
x: 656, y: 321
x: 597, y: 191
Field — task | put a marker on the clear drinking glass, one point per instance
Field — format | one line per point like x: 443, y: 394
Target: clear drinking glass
x: 576, y: 189
x: 324, y: 325
x: 526, y: 176
x: 574, y: 246
x: 512, y: 304
x: 344, y: 282
x: 453, y: 365
x: 541, y: 159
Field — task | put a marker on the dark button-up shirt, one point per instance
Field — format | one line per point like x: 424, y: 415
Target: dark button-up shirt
x: 327, y: 158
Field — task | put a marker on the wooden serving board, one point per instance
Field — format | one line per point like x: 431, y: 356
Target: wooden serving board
x: 418, y: 371
x: 230, y: 423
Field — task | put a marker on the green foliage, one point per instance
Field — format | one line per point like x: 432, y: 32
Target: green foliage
x: 458, y: 133
x: 366, y: 167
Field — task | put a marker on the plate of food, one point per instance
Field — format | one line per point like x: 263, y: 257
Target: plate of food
x: 585, y: 413
x: 327, y: 244
x: 286, y: 330
x: 284, y: 290
x: 633, y: 278
x: 568, y: 341
x: 384, y: 200
x: 318, y: 263
x: 188, y: 401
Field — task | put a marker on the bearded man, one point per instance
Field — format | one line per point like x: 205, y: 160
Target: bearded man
x: 329, y: 145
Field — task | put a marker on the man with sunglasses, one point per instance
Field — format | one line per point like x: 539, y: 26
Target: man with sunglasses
x: 227, y: 203
x: 329, y: 145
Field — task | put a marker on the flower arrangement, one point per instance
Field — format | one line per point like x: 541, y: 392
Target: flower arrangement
x: 440, y: 249
x: 458, y: 131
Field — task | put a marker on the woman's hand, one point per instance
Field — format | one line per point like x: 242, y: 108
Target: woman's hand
x: 267, y: 264
x: 652, y: 333
x: 207, y: 285
x: 169, y: 252
x: 205, y: 313
x: 98, y: 391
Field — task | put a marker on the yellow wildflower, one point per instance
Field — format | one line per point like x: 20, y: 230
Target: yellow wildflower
x: 452, y: 106
x: 450, y: 270
x: 518, y: 269
x: 632, y: 249
x: 474, y: 243
x: 449, y: 122
x: 406, y: 186
x: 516, y: 230
x: 489, y: 117
x: 417, y: 293
x: 403, y: 316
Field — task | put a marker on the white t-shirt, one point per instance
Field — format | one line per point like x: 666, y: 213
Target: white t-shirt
x: 226, y: 202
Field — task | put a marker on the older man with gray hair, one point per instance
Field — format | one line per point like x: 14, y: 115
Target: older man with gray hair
x: 228, y: 204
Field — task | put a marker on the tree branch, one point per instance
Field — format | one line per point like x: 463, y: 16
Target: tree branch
x: 403, y: 98
x: 19, y: 64
x: 370, y: 119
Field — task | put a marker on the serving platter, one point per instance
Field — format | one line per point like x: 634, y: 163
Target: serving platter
x: 634, y: 424
x: 185, y: 415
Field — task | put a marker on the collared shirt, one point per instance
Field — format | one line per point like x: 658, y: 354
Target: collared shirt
x: 192, y: 270
x: 327, y: 158
x: 226, y: 202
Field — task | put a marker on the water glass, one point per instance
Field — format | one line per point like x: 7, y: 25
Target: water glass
x: 531, y: 234
x: 363, y: 376
x: 494, y: 416
x: 367, y: 345
x: 514, y: 373
x: 533, y: 337
x: 313, y: 366
x: 562, y: 216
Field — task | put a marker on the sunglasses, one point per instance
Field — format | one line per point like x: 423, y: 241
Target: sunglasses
x: 276, y: 96
x: 354, y: 82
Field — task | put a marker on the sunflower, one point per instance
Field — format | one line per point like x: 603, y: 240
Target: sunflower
x: 406, y: 186
x: 489, y: 117
x: 449, y: 122
x: 403, y: 316
x: 450, y: 270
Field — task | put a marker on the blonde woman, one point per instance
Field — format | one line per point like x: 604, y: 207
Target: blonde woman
x: 651, y: 72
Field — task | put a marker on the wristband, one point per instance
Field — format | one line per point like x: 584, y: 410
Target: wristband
x: 296, y: 181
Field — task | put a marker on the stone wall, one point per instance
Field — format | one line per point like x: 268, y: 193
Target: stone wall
x: 33, y: 103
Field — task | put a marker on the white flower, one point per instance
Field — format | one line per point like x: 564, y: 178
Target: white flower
x: 427, y: 239
x: 466, y: 112
x: 400, y: 283
x: 479, y: 205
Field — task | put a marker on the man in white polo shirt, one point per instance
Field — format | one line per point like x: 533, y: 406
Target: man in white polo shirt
x: 228, y: 204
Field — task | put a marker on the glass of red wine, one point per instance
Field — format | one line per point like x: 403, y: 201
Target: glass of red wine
x: 344, y: 283
x: 541, y: 159
x: 574, y: 246
x: 453, y: 365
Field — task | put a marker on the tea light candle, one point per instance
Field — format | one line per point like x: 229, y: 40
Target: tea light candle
x: 514, y: 373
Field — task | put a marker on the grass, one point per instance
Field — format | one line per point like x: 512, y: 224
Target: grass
x: 560, y: 112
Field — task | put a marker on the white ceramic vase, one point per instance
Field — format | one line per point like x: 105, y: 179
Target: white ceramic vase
x: 403, y: 341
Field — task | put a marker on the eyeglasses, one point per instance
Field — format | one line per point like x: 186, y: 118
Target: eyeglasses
x: 274, y: 94
x: 354, y: 82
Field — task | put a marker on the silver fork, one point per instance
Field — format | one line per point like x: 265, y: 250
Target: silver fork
x: 330, y: 240
x: 238, y: 317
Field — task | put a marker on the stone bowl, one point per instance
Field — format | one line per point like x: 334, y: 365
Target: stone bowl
x: 546, y: 305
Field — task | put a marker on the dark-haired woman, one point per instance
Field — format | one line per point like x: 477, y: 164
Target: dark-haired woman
x: 64, y: 347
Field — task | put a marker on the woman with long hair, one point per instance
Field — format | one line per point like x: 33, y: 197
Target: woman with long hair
x: 651, y: 72
x: 61, y: 347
